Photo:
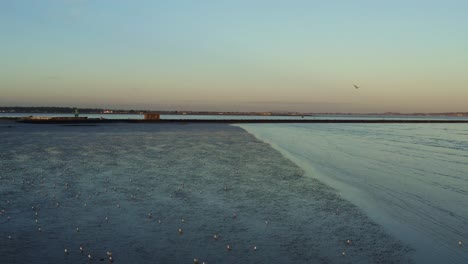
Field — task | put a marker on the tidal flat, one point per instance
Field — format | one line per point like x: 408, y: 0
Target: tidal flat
x: 171, y: 193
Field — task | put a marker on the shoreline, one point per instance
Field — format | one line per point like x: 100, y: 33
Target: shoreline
x: 317, y: 166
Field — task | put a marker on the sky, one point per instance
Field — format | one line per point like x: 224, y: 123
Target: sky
x: 238, y: 55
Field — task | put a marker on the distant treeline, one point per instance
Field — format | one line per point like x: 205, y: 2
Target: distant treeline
x: 70, y: 110
x: 60, y: 110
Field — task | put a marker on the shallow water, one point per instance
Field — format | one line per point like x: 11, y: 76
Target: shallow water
x: 410, y: 178
x: 205, y: 179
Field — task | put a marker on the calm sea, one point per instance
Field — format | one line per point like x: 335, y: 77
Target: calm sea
x: 410, y: 178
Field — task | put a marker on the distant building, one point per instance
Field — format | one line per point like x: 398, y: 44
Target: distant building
x: 152, y: 116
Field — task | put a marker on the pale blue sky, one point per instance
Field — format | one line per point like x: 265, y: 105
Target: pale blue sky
x: 408, y: 56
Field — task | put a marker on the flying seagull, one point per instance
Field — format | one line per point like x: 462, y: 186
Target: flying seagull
x: 356, y: 87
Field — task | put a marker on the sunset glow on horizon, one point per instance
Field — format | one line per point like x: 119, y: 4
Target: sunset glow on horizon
x: 406, y: 56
